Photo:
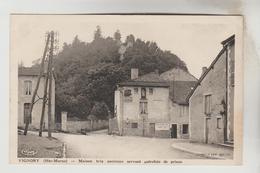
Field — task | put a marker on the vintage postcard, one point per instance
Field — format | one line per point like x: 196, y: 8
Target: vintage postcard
x: 126, y: 89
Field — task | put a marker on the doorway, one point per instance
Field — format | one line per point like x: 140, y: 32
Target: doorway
x: 152, y: 129
x: 207, y: 131
x: 174, y: 131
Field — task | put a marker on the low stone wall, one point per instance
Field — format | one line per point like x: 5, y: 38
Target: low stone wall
x: 84, y: 126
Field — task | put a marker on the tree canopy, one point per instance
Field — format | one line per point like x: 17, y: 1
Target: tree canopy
x: 87, y: 73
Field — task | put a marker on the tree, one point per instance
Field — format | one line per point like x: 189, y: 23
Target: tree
x: 97, y: 33
x: 117, y: 36
x: 87, y: 73
x: 75, y: 42
x: 130, y: 38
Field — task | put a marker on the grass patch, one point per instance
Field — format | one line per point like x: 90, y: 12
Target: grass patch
x: 32, y: 146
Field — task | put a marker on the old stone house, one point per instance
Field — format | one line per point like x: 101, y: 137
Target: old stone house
x: 211, y: 108
x: 179, y: 108
x: 27, y: 79
x: 151, y: 106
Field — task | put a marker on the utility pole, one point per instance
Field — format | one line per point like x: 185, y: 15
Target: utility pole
x: 52, y: 38
x: 44, y: 96
x: 37, y: 85
x: 50, y: 73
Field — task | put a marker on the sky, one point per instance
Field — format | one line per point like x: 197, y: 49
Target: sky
x: 194, y: 39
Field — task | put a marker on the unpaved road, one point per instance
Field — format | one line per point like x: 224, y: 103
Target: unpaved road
x: 102, y: 146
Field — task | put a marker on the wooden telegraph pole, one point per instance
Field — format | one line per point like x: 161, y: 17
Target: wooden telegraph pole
x: 47, y: 81
x: 50, y: 68
x: 44, y: 97
x: 47, y: 96
x: 37, y: 84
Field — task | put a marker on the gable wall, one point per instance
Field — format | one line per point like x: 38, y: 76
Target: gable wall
x: 214, y: 83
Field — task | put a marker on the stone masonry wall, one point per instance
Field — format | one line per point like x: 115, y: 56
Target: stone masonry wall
x: 79, y: 126
x: 158, y: 112
x: 214, y: 83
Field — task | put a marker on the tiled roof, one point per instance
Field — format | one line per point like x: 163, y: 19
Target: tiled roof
x: 177, y: 74
x: 31, y: 71
x: 144, y: 83
x: 28, y: 71
x: 179, y: 90
x: 152, y: 79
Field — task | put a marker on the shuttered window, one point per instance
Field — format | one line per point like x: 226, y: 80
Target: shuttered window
x: 27, y: 87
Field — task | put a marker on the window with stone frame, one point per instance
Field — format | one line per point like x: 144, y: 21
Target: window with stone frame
x: 185, y: 129
x: 218, y: 123
x: 28, y: 87
x: 207, y: 104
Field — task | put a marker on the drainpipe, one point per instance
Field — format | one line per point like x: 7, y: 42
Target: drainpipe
x: 143, y: 125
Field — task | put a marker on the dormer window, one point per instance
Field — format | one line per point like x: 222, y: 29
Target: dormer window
x: 28, y: 87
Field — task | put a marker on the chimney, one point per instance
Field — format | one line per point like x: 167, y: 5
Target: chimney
x: 204, y: 69
x: 134, y: 73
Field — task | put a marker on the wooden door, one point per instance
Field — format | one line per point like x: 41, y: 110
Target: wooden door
x: 174, y: 131
x: 207, y: 130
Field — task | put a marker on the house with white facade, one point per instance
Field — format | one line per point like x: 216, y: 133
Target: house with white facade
x: 27, y: 79
x: 151, y: 106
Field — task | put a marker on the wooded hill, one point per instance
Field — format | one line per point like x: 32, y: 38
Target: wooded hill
x: 87, y: 73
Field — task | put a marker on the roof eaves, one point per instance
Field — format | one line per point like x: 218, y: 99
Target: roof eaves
x: 229, y: 40
x: 207, y: 71
x: 144, y: 83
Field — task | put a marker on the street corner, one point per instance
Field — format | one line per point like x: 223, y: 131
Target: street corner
x: 209, y: 151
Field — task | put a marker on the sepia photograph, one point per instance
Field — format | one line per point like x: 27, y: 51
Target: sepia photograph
x: 126, y: 89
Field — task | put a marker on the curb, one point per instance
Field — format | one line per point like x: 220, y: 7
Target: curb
x: 196, y: 153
